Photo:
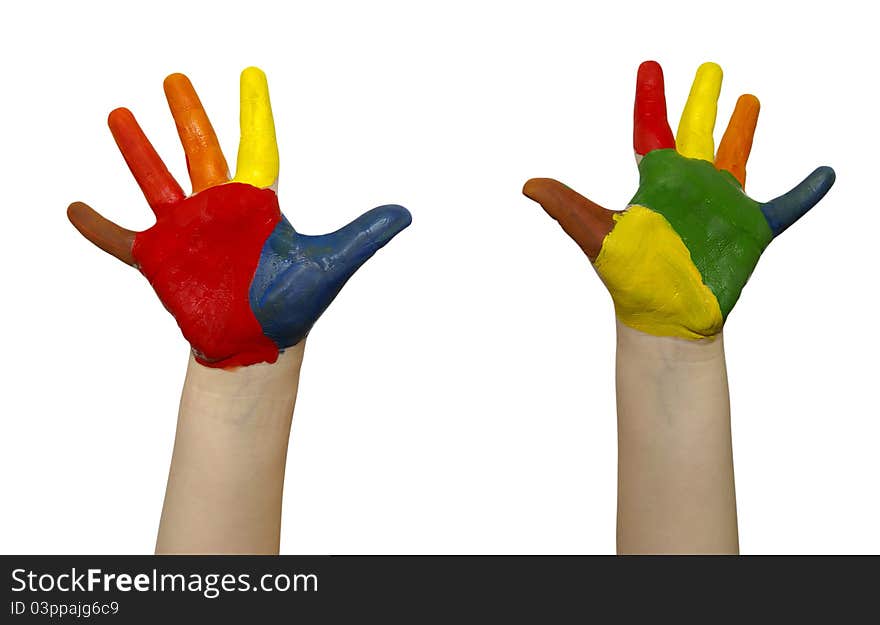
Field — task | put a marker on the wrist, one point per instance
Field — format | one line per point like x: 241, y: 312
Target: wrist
x: 244, y: 407
x: 671, y: 350
x: 669, y: 389
x: 245, y: 383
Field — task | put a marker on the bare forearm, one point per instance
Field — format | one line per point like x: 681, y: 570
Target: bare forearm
x: 227, y: 471
x: 675, y: 461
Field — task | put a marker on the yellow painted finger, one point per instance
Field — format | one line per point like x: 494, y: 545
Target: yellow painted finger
x: 257, y: 149
x: 694, y: 138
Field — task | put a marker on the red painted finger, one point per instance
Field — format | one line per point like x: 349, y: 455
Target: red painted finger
x: 651, y: 129
x: 111, y: 238
x: 736, y: 145
x: 583, y: 220
x: 154, y: 179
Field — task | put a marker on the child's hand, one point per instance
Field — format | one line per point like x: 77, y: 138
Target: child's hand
x: 676, y: 260
x: 241, y: 282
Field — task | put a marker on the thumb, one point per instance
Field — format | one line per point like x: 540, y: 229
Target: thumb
x: 355, y: 243
x: 583, y: 220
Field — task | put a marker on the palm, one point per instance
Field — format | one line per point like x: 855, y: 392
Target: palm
x: 676, y: 259
x: 722, y: 227
x: 200, y: 254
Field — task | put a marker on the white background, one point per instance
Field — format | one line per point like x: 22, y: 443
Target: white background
x: 458, y: 396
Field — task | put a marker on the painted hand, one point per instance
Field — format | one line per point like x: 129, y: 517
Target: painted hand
x: 676, y: 259
x: 240, y: 281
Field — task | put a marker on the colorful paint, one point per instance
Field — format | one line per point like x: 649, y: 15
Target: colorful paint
x: 721, y: 227
x: 299, y: 275
x: 240, y: 281
x: 257, y: 150
x: 676, y: 260
x: 651, y: 129
x: 657, y: 288
x: 694, y: 137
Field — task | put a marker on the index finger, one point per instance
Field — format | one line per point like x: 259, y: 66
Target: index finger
x: 651, y: 129
x: 257, y: 150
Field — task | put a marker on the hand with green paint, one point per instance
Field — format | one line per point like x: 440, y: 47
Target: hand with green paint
x: 676, y: 259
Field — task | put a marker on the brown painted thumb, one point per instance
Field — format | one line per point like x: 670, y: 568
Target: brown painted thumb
x: 585, y: 221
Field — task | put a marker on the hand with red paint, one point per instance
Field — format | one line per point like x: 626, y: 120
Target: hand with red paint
x: 245, y: 288
x: 240, y: 281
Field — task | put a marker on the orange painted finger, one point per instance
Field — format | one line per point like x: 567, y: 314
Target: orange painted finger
x: 154, y: 179
x: 733, y: 153
x: 204, y: 159
x: 111, y: 238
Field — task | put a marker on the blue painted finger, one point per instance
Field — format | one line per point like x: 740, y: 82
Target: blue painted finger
x: 299, y: 275
x: 355, y: 243
x: 788, y: 208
